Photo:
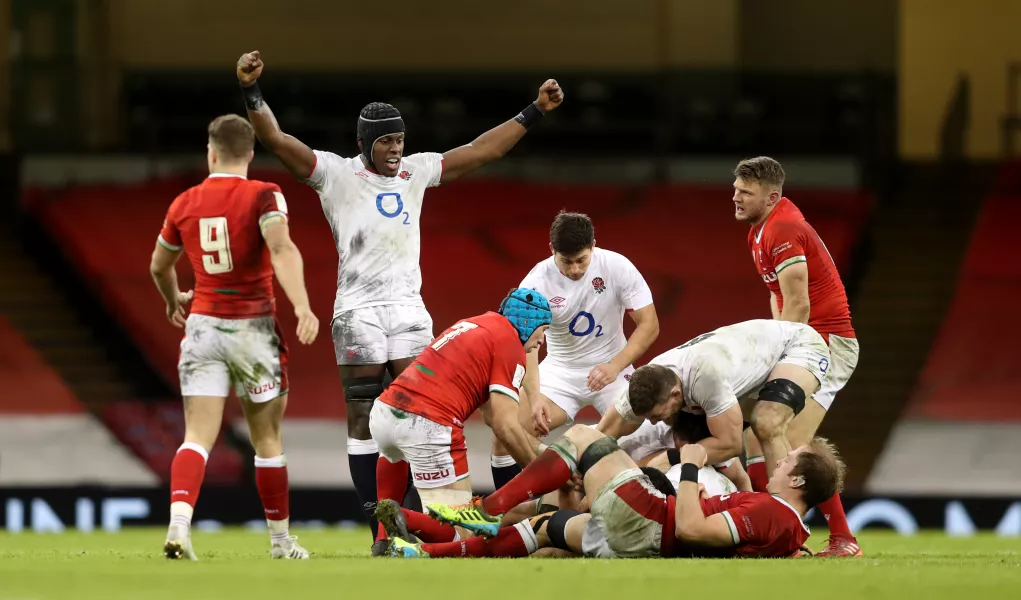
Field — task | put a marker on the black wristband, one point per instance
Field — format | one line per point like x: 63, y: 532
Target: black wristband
x: 674, y: 456
x: 689, y: 472
x: 253, y: 96
x: 529, y: 116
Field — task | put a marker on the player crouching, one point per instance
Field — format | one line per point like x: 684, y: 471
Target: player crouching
x: 236, y: 236
x: 478, y: 364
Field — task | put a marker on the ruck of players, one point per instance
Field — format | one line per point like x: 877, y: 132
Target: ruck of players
x: 707, y: 450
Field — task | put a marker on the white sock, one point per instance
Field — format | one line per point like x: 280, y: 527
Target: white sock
x: 279, y: 531
x: 180, y: 514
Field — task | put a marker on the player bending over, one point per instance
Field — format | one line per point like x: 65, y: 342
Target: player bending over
x: 235, y: 233
x: 588, y: 359
x: 373, y: 202
x: 805, y: 287
x: 631, y: 518
x: 478, y: 364
x: 772, y: 365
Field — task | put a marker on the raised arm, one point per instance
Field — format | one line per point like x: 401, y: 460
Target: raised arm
x: 691, y: 525
x: 496, y: 142
x: 289, y: 150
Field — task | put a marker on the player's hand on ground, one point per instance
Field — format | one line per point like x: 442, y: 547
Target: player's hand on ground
x: 541, y: 417
x: 694, y: 453
x: 249, y: 68
x: 308, y: 325
x: 601, y: 376
x: 175, y: 309
x: 550, y: 96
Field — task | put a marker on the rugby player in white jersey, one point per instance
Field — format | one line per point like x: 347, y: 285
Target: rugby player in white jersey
x: 373, y: 202
x: 588, y: 359
x: 769, y: 367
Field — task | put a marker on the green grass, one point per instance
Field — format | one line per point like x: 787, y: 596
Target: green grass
x: 235, y: 564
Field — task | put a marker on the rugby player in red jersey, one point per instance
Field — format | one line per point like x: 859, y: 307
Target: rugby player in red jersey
x: 804, y: 286
x: 235, y: 233
x: 418, y: 422
x: 632, y: 517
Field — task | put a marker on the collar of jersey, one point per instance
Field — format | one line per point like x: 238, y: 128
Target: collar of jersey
x: 793, y: 510
x: 219, y: 175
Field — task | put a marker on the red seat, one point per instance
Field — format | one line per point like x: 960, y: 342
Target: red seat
x: 31, y: 386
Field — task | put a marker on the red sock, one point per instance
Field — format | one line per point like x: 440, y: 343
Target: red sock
x: 427, y: 529
x: 187, y: 472
x: 545, y: 474
x: 391, y: 484
x: 757, y: 473
x: 507, y: 543
x: 271, y: 479
x: 833, y: 510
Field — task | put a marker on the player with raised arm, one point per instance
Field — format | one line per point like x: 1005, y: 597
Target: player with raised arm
x: 765, y: 368
x: 236, y: 235
x: 477, y: 364
x: 632, y: 517
x: 588, y: 359
x: 373, y: 202
x: 804, y: 287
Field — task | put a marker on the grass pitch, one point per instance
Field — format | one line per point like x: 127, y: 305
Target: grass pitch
x: 235, y: 564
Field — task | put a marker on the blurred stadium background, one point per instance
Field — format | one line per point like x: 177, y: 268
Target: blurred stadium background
x: 895, y: 121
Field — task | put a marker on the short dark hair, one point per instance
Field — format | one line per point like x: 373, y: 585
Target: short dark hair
x: 761, y: 169
x: 823, y: 471
x: 571, y: 233
x: 690, y: 428
x: 232, y: 135
x: 660, y: 481
x: 650, y: 385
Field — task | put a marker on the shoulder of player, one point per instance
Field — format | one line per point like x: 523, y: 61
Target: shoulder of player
x: 613, y: 260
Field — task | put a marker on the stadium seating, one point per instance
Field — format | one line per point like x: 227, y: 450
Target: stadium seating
x: 480, y: 237
x: 971, y: 373
x: 46, y: 436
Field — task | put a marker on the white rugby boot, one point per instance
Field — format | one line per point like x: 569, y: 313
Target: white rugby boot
x: 178, y: 544
x: 289, y: 549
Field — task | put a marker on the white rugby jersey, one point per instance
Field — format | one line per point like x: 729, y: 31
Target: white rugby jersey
x: 716, y: 483
x: 588, y: 314
x: 375, y: 223
x: 732, y: 362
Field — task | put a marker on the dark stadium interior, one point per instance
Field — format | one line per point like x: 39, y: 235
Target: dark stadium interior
x: 897, y: 141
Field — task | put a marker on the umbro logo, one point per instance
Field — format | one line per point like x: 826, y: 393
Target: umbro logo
x: 557, y: 301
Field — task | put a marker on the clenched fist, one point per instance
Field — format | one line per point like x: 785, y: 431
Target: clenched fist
x: 249, y: 68
x: 550, y: 96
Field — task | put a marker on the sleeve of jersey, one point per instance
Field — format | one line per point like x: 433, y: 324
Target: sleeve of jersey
x: 508, y: 368
x: 321, y: 172
x: 712, y: 392
x: 635, y: 293
x: 434, y: 167
x: 786, y: 246
x: 751, y: 521
x: 170, y: 236
x: 272, y: 207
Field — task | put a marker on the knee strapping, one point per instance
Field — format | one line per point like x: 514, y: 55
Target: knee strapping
x: 783, y: 391
x: 362, y: 389
x: 596, y: 451
x: 556, y: 529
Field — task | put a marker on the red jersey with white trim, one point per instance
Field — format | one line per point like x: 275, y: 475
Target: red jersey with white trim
x: 219, y: 224
x: 761, y: 526
x: 785, y: 239
x: 455, y: 374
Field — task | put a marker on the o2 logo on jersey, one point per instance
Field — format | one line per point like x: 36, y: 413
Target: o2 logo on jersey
x: 589, y: 325
x: 390, y: 205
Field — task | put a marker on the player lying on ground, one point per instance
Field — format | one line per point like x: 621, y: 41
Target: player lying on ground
x: 804, y: 286
x: 770, y: 365
x: 236, y: 235
x: 588, y: 359
x: 659, y: 445
x: 630, y: 518
x: 373, y: 202
x: 478, y: 364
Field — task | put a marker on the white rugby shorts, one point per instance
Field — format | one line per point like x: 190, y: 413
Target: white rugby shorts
x: 375, y: 335
x: 567, y: 387
x: 248, y: 354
